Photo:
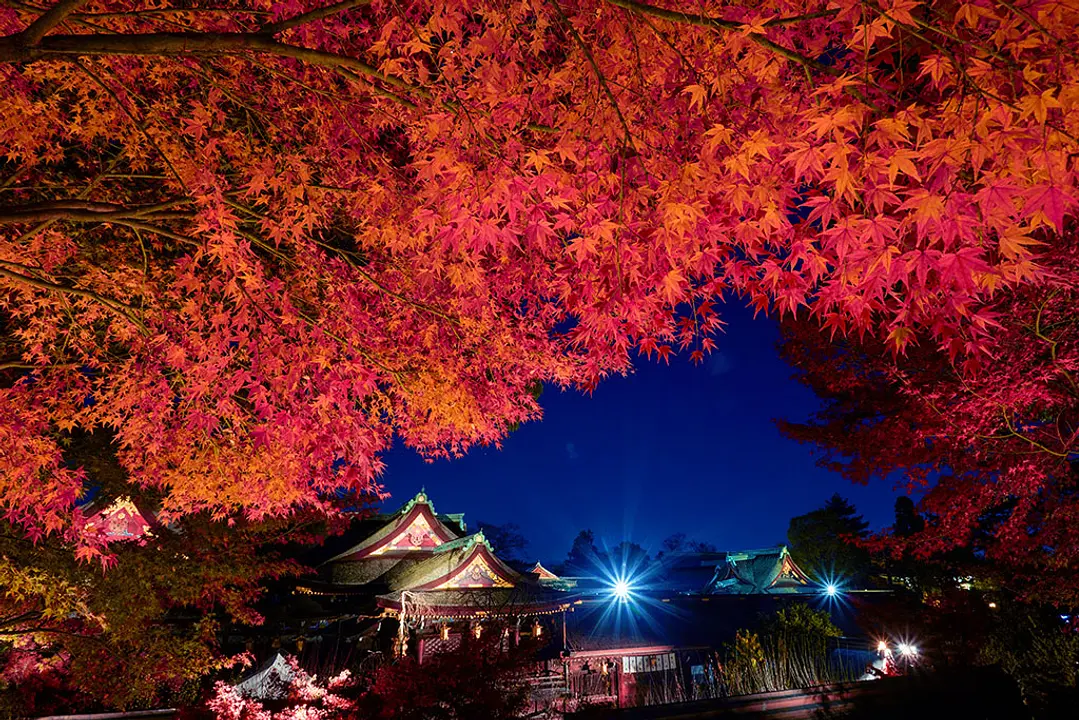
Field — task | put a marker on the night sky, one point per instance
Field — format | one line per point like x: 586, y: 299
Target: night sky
x: 668, y: 449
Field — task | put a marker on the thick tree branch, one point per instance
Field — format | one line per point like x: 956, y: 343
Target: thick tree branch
x: 312, y: 16
x: 193, y: 44
x: 82, y: 211
x: 33, y: 34
x: 222, y: 44
x: 17, y: 366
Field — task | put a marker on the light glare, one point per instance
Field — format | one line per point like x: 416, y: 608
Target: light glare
x: 621, y: 590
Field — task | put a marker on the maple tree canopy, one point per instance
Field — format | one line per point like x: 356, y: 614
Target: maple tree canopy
x: 256, y: 239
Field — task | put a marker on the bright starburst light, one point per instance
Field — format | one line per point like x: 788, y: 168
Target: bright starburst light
x: 626, y: 605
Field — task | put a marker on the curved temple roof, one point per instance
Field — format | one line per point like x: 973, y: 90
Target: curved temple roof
x: 769, y: 571
x: 416, y: 554
x: 413, y: 528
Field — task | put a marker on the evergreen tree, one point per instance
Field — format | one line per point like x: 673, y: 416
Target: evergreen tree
x: 824, y: 542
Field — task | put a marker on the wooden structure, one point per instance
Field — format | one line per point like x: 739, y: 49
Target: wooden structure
x: 438, y: 583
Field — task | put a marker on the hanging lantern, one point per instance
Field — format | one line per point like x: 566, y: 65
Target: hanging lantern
x: 444, y: 632
x: 299, y: 644
x: 537, y: 629
x: 477, y: 630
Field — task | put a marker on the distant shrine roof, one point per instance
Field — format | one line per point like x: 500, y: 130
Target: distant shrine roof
x: 768, y: 571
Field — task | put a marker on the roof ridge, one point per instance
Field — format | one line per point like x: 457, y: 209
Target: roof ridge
x: 464, y: 541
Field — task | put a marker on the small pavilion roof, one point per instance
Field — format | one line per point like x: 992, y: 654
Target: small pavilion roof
x: 543, y: 573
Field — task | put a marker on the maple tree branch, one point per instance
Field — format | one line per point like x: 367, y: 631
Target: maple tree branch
x: 316, y: 325
x: 730, y: 25
x: 138, y: 124
x: 312, y: 16
x: 1034, y: 443
x: 183, y: 239
x: 1037, y: 26
x: 970, y: 81
x: 17, y: 366
x: 599, y: 74
x: 189, y: 44
x: 115, y: 306
x: 182, y: 43
x: 1040, y: 334
x: 82, y: 211
x: 344, y: 255
x: 55, y: 15
x: 168, y: 11
x: 350, y: 261
x: 6, y: 622
x: 200, y: 44
x: 951, y: 36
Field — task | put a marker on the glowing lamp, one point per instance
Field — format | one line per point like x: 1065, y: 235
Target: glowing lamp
x: 537, y: 630
x: 882, y: 646
x: 907, y: 650
x: 621, y: 590
x: 831, y: 590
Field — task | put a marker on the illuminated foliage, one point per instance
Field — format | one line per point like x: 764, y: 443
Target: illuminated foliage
x: 992, y: 454
x: 481, y: 679
x: 147, y: 630
x: 305, y: 698
x: 257, y: 239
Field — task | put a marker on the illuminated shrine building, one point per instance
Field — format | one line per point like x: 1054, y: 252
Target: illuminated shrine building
x: 424, y: 570
x: 121, y: 519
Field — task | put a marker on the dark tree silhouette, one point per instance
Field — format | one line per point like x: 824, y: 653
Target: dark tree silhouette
x: 824, y: 541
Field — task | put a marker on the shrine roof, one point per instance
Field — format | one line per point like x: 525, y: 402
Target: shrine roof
x: 442, y: 567
x: 767, y: 571
x: 543, y: 573
x: 418, y: 511
x: 122, y: 518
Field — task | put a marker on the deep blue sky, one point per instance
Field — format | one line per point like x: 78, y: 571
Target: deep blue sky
x: 668, y: 449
